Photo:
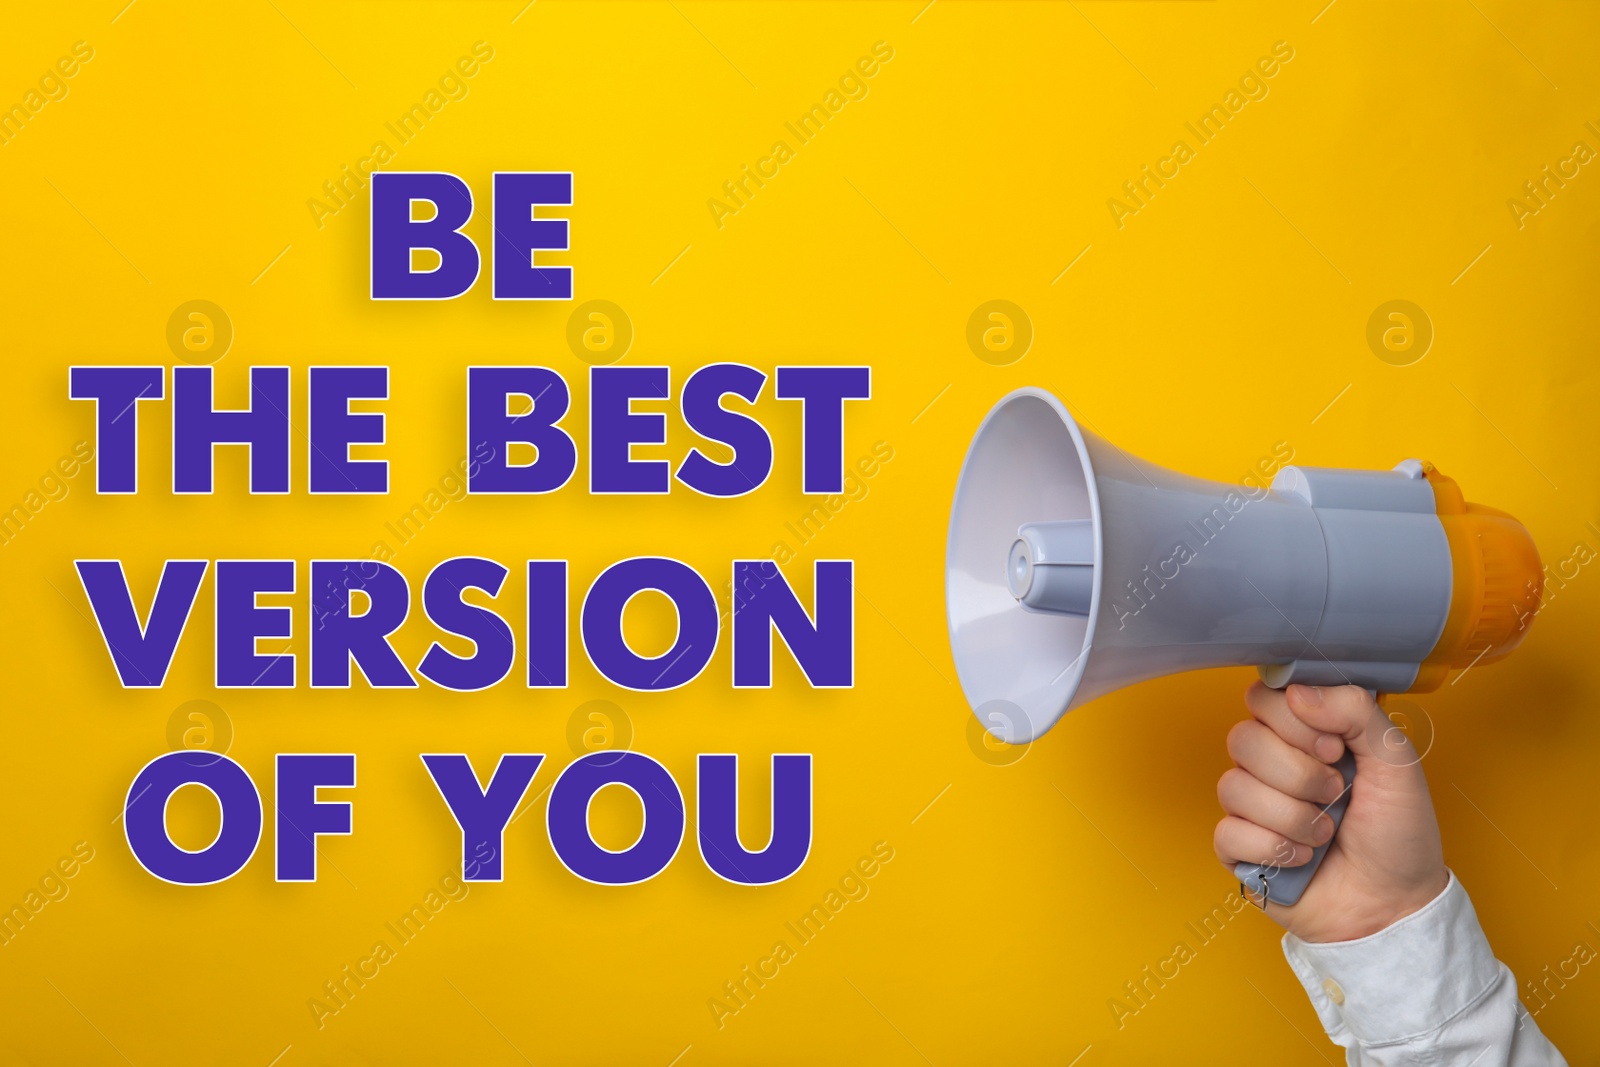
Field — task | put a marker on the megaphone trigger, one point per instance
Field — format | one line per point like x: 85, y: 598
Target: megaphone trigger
x: 1263, y: 883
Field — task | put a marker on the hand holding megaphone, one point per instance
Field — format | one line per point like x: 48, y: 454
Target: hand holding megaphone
x: 1387, y: 861
x: 1074, y: 569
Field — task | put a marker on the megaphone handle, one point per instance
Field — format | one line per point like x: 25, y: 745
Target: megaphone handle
x: 1284, y: 885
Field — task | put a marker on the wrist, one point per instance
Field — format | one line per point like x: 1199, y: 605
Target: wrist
x: 1364, y: 918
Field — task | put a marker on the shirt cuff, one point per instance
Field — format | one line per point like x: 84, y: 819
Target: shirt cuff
x: 1404, y: 981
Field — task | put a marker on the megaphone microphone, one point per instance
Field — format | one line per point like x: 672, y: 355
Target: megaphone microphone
x: 1074, y: 569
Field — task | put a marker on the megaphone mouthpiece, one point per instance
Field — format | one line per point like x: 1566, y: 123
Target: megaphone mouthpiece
x: 1052, y: 566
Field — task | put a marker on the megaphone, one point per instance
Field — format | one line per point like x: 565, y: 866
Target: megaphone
x: 1074, y: 569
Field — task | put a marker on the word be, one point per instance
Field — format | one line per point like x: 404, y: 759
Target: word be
x: 397, y: 233
x: 481, y: 813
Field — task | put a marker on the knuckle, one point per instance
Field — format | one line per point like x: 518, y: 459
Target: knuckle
x: 1286, y: 815
x: 1351, y: 699
x: 1305, y: 818
x: 1287, y: 853
x: 1239, y: 736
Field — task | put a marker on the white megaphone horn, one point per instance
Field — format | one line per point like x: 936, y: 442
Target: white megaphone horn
x: 1074, y: 569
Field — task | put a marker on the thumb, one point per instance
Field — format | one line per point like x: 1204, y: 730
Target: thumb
x: 1384, y: 755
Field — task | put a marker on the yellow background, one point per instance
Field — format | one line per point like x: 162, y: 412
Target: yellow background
x: 1224, y: 317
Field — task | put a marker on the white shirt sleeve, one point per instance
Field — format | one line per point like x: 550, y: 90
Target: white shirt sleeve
x: 1426, y: 990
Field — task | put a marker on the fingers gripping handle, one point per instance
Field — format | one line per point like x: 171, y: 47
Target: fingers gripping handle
x: 1284, y: 885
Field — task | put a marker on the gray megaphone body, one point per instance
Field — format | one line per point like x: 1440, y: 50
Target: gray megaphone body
x: 1074, y: 569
